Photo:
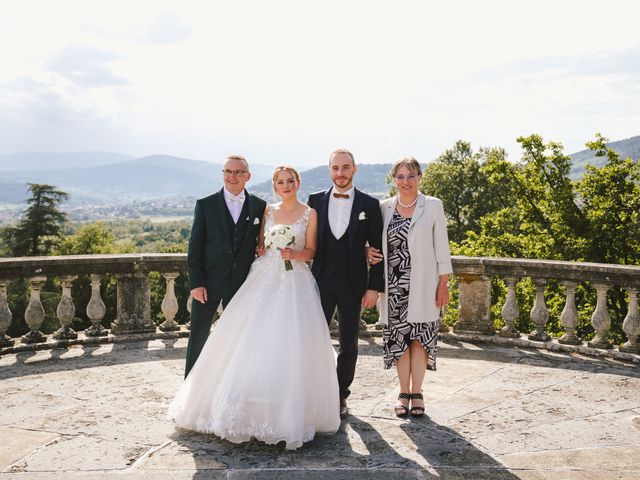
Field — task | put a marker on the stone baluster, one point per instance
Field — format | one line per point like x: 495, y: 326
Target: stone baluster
x: 569, y: 316
x: 133, y: 305
x: 170, y: 303
x: 363, y: 325
x: 510, y: 310
x: 474, y: 304
x: 96, y: 309
x: 443, y: 327
x: 378, y: 325
x: 66, y: 310
x: 5, y: 316
x: 189, y: 305
x: 34, y: 314
x: 333, y: 323
x: 600, y: 319
x: 539, y: 313
x: 631, y: 324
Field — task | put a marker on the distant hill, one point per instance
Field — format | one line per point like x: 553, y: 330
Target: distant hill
x: 33, y: 161
x: 368, y: 178
x: 13, y: 192
x: 151, y: 177
x: 629, y: 147
x: 106, y: 179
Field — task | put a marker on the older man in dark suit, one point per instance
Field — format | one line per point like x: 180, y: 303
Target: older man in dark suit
x: 348, y: 220
x: 222, y: 248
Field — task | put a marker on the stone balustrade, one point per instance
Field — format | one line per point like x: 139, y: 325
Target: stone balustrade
x: 473, y: 274
x: 133, y: 293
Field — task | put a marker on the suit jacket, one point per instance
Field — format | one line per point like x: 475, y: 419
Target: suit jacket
x: 430, y: 257
x: 211, y: 261
x: 365, y: 226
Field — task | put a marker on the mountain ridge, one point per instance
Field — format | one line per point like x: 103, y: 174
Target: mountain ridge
x: 108, y: 178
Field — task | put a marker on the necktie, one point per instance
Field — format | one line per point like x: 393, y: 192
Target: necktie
x: 340, y: 195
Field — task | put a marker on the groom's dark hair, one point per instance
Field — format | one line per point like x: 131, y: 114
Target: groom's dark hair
x: 342, y: 150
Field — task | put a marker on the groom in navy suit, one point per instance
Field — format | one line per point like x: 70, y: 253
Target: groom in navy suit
x: 348, y: 221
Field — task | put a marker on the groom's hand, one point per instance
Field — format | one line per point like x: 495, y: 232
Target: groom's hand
x: 370, y: 298
x: 199, y: 294
x: 374, y: 256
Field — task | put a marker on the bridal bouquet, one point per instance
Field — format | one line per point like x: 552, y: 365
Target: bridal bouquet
x: 279, y: 237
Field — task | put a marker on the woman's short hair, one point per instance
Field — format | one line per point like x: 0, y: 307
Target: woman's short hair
x: 409, y: 162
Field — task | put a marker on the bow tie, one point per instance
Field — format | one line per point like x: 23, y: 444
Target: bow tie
x: 340, y: 195
x: 236, y: 198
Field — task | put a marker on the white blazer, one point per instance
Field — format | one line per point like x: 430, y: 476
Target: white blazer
x: 430, y: 257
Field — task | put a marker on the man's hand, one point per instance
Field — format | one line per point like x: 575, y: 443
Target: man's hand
x: 199, y: 294
x: 260, y: 250
x: 374, y: 256
x: 370, y: 298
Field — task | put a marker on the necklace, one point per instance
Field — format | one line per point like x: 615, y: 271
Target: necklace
x: 408, y: 205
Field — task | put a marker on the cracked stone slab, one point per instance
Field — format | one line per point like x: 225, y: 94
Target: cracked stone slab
x: 80, y: 453
x: 22, y: 405
x: 607, y: 458
x: 17, y: 443
x: 100, y: 423
x: 605, y: 430
x: 126, y: 474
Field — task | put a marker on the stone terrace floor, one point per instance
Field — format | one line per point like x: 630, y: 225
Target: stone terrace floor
x: 494, y: 412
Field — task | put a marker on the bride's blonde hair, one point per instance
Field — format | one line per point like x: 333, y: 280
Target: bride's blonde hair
x: 283, y: 168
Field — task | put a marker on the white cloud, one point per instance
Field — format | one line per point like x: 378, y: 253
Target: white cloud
x: 86, y: 66
x: 289, y: 80
x: 168, y: 28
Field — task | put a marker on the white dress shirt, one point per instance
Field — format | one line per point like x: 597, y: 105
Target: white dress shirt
x: 340, y: 212
x: 234, y: 203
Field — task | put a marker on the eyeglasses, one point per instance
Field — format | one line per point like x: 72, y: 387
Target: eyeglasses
x: 411, y: 177
x: 233, y: 173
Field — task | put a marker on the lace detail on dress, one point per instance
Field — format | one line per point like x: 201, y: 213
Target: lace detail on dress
x: 299, y: 228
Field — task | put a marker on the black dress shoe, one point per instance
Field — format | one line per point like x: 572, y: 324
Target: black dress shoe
x: 344, y: 410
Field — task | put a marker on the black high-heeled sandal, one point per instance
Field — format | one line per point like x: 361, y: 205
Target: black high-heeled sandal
x: 417, y: 411
x: 401, y: 410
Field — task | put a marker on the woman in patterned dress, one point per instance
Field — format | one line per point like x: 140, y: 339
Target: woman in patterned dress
x: 417, y: 268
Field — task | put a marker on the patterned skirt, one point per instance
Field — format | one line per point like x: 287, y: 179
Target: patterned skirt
x: 398, y: 336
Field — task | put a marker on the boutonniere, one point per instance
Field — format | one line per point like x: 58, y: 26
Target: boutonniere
x: 256, y: 221
x: 246, y: 219
x: 362, y: 216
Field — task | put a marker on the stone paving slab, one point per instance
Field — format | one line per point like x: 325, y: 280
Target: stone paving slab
x: 494, y: 412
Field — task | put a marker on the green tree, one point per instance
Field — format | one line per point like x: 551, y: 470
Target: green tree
x: 595, y: 219
x: 468, y: 185
x: 94, y: 238
x: 610, y: 198
x: 611, y: 203
x: 40, y: 228
x: 546, y: 198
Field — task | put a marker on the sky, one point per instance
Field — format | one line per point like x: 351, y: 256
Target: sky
x: 290, y: 81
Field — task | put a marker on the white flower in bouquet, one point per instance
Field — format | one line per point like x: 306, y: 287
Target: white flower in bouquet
x: 279, y: 237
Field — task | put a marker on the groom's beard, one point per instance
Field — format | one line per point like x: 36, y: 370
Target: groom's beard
x: 346, y: 186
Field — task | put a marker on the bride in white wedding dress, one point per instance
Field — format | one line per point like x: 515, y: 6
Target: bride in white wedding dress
x: 268, y: 368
